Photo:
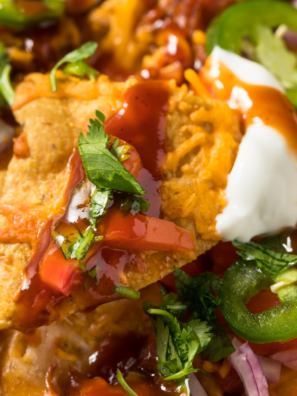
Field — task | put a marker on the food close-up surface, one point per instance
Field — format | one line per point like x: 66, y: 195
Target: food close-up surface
x: 148, y: 198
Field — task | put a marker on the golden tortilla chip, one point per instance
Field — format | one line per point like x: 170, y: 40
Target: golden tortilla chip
x: 202, y: 142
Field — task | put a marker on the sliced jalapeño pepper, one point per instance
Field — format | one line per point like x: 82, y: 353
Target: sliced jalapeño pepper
x: 24, y: 13
x: 240, y: 20
x: 244, y: 280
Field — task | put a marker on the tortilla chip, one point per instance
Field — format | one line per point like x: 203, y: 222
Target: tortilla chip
x: 202, y: 142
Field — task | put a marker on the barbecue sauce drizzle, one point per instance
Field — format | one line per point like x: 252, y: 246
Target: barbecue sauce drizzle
x: 141, y: 122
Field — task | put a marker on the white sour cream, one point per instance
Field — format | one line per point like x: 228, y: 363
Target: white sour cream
x: 247, y: 71
x: 262, y: 186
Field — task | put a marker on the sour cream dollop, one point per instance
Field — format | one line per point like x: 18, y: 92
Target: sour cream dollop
x: 262, y: 187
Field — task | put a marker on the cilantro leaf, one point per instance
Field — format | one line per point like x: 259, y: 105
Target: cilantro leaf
x: 100, y: 200
x: 273, y: 54
x: 92, y: 273
x: 267, y: 260
x: 66, y: 237
x: 177, y: 343
x: 85, y: 51
x: 73, y: 243
x: 220, y: 345
x: 6, y: 89
x: 135, y: 204
x: 102, y: 168
x: 199, y: 293
x: 81, y: 69
x: 79, y: 248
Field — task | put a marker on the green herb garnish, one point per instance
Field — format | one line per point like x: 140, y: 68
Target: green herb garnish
x: 135, y: 204
x: 81, y: 69
x: 120, y: 152
x: 126, y: 292
x: 267, y: 260
x: 102, y: 168
x: 199, y: 292
x: 6, y: 89
x: 178, y: 342
x: 100, y: 199
x: 124, y: 384
x: 79, y: 249
x: 85, y: 51
x: 13, y: 16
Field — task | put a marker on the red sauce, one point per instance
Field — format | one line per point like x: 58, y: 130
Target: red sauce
x: 123, y: 352
x: 129, y: 353
x: 141, y: 122
x: 142, y: 386
x: 267, y: 105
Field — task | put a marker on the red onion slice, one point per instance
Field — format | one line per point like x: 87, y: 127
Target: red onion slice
x: 236, y: 343
x: 271, y: 368
x: 250, y: 371
x: 290, y: 38
x: 6, y: 135
x: 288, y: 358
x: 196, y: 388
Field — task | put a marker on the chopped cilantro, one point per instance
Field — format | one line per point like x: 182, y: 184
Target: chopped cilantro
x: 269, y: 261
x: 6, y: 89
x: 79, y: 249
x: 92, y: 273
x: 135, y: 204
x: 124, y: 384
x: 105, y: 171
x: 103, y: 168
x: 120, y: 152
x: 85, y: 51
x: 127, y: 293
x: 177, y: 342
x: 200, y: 294
x: 81, y: 69
x: 100, y: 200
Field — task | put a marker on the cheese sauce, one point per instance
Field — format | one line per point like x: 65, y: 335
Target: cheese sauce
x: 262, y: 186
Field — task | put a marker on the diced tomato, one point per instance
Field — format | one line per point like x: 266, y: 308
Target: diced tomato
x: 133, y: 164
x: 56, y: 271
x: 142, y: 233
